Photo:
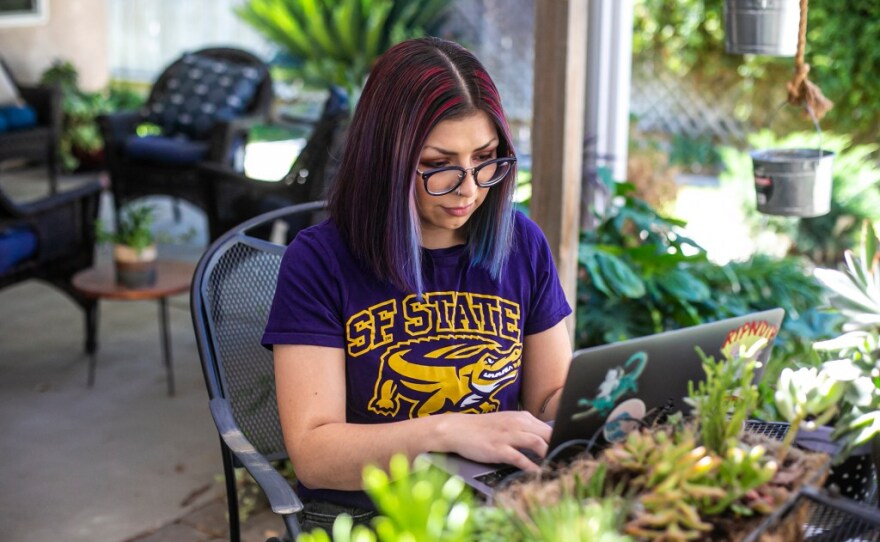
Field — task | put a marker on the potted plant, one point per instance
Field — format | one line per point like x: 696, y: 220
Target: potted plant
x: 134, y: 246
x: 81, y: 146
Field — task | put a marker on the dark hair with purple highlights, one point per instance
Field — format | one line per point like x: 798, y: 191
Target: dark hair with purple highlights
x: 414, y: 86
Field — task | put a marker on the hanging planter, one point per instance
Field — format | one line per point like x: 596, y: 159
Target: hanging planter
x: 761, y: 27
x: 793, y: 182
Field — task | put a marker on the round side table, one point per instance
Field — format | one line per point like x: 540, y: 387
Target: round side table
x: 172, y: 278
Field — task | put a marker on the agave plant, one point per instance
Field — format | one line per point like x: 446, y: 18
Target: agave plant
x: 335, y: 42
x: 855, y: 293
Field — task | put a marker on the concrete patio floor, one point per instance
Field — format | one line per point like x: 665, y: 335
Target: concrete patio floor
x: 120, y: 461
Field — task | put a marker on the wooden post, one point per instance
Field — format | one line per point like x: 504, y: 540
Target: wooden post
x: 558, y: 131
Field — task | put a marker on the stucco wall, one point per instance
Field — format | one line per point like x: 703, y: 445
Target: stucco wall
x: 76, y: 30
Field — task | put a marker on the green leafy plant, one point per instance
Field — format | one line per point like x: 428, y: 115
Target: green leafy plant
x: 336, y: 42
x: 681, y: 485
x: 686, y: 37
x: 80, y: 137
x: 135, y: 228
x: 636, y: 267
x: 638, y: 275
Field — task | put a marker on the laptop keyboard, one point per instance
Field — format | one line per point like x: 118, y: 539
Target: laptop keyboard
x: 492, y: 479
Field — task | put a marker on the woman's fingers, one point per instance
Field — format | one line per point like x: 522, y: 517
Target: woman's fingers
x: 504, y: 437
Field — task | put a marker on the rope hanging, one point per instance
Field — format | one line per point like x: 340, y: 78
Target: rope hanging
x: 801, y: 91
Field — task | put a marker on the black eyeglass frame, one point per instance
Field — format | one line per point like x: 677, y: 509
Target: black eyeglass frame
x: 462, y: 174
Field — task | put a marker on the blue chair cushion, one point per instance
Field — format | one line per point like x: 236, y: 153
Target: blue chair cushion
x: 16, y: 244
x: 199, y: 92
x: 166, y: 150
x: 18, y: 117
x: 3, y: 126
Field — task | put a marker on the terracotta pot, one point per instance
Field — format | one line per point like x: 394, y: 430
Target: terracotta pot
x: 135, y: 269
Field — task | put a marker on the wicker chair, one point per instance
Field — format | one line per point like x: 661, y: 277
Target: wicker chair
x: 39, y: 143
x: 51, y: 239
x: 192, y: 134
x: 232, y: 291
x: 239, y: 198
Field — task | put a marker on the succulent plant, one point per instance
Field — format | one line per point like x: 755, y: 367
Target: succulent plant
x: 727, y: 396
x: 669, y: 482
x: 571, y: 519
x: 680, y: 484
x: 807, y: 397
x: 855, y: 293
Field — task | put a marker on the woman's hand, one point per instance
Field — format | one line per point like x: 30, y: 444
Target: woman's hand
x: 497, y: 437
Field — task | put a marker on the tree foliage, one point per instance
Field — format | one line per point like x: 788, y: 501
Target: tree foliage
x: 336, y: 42
x: 687, y: 37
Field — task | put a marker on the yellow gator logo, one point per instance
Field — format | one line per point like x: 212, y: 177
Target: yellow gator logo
x: 438, y: 313
x: 461, y: 373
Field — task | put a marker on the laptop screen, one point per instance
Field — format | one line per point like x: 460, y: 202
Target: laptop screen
x: 646, y: 378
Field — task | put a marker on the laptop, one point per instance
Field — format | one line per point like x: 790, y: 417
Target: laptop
x: 611, y: 389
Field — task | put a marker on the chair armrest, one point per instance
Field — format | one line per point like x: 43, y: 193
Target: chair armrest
x: 280, y: 494
x: 115, y: 127
x: 59, y: 199
x: 46, y: 102
x: 230, y: 179
x: 287, y: 119
x: 228, y: 133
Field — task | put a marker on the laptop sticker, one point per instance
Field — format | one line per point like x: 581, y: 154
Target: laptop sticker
x: 618, y: 382
x: 745, y: 338
x: 625, y: 418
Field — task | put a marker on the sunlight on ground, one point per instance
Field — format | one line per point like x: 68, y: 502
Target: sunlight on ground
x: 271, y: 160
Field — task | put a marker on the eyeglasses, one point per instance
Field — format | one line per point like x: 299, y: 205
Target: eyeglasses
x: 444, y: 180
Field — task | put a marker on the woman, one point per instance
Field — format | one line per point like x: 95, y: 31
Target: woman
x: 425, y: 293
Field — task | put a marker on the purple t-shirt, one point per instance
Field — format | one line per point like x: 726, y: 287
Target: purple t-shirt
x: 458, y: 349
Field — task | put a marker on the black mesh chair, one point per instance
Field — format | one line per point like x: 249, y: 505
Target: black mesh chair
x: 232, y: 291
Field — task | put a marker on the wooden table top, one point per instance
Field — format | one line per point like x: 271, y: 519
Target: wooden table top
x: 172, y: 277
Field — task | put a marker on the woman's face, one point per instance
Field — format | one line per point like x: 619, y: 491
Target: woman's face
x: 466, y: 142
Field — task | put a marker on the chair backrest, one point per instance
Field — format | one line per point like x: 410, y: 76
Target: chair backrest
x: 310, y: 175
x: 231, y: 294
x: 208, y: 85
